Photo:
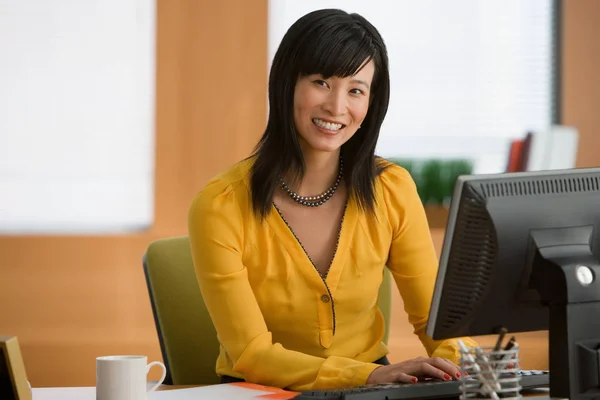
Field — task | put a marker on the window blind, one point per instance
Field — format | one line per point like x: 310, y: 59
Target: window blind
x: 77, y: 120
x: 467, y: 76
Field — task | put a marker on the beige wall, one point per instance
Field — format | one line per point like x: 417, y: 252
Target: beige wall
x: 70, y: 299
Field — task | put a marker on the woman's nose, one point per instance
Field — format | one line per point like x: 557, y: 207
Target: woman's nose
x: 336, y: 103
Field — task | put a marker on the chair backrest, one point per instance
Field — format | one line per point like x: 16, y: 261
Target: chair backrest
x: 188, y: 340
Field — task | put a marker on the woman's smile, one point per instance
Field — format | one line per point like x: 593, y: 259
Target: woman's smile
x: 327, y: 126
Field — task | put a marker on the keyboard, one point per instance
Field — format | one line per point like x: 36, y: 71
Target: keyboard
x: 429, y: 389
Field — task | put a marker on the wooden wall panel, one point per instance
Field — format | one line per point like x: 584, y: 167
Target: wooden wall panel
x: 70, y: 299
x: 581, y: 76
x: 212, y: 95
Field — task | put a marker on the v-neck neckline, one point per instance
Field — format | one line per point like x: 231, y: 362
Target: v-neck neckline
x: 335, y: 249
x: 294, y: 246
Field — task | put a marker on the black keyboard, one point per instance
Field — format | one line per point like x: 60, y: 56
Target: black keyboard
x: 430, y: 389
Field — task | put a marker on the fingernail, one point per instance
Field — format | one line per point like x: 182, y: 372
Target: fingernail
x: 414, y: 380
x: 447, y: 377
x: 457, y: 375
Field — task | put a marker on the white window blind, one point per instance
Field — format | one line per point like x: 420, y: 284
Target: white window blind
x: 77, y: 105
x: 467, y: 75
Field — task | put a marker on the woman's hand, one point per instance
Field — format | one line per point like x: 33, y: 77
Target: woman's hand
x: 410, y: 371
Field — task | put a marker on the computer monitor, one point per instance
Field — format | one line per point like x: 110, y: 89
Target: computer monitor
x: 522, y: 251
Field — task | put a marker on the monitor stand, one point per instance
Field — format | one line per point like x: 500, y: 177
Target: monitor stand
x: 567, y: 276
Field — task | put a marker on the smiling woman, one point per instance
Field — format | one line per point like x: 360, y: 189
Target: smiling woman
x: 290, y: 245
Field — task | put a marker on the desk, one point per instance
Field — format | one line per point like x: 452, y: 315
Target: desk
x: 166, y: 392
x: 83, y: 393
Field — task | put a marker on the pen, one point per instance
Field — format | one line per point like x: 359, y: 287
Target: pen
x: 500, y: 339
x: 498, y: 345
x: 509, y: 345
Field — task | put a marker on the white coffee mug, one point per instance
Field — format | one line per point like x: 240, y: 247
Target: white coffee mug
x: 124, y: 377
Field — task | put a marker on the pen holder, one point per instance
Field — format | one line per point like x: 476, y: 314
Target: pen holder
x: 490, y: 374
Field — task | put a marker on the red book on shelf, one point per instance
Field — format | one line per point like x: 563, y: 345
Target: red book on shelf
x: 514, y: 156
x: 525, y: 151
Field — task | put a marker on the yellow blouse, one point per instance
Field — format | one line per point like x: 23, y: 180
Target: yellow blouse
x: 278, y: 322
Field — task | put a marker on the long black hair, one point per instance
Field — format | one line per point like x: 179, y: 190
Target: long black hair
x: 329, y: 42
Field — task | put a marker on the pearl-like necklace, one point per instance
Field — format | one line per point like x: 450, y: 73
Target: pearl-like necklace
x: 314, y: 201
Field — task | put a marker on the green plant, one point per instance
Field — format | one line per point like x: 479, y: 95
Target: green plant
x: 435, y: 178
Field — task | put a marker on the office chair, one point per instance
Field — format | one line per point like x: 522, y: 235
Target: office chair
x: 187, y: 337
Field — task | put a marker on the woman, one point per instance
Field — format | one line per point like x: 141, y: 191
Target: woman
x: 290, y: 244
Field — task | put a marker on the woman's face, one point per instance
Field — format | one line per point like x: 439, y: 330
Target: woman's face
x: 327, y: 112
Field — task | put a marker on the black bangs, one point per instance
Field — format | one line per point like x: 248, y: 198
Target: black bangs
x: 334, y: 50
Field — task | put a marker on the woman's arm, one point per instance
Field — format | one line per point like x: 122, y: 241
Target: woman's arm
x: 216, y: 237
x: 412, y: 259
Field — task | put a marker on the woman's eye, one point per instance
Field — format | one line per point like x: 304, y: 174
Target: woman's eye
x: 356, y: 91
x: 321, y: 82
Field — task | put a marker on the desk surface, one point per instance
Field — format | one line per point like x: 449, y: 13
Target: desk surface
x: 167, y: 392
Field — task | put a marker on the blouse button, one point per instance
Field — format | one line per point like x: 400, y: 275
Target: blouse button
x: 325, y: 298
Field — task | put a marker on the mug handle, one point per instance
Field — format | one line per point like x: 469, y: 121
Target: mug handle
x: 162, y: 378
